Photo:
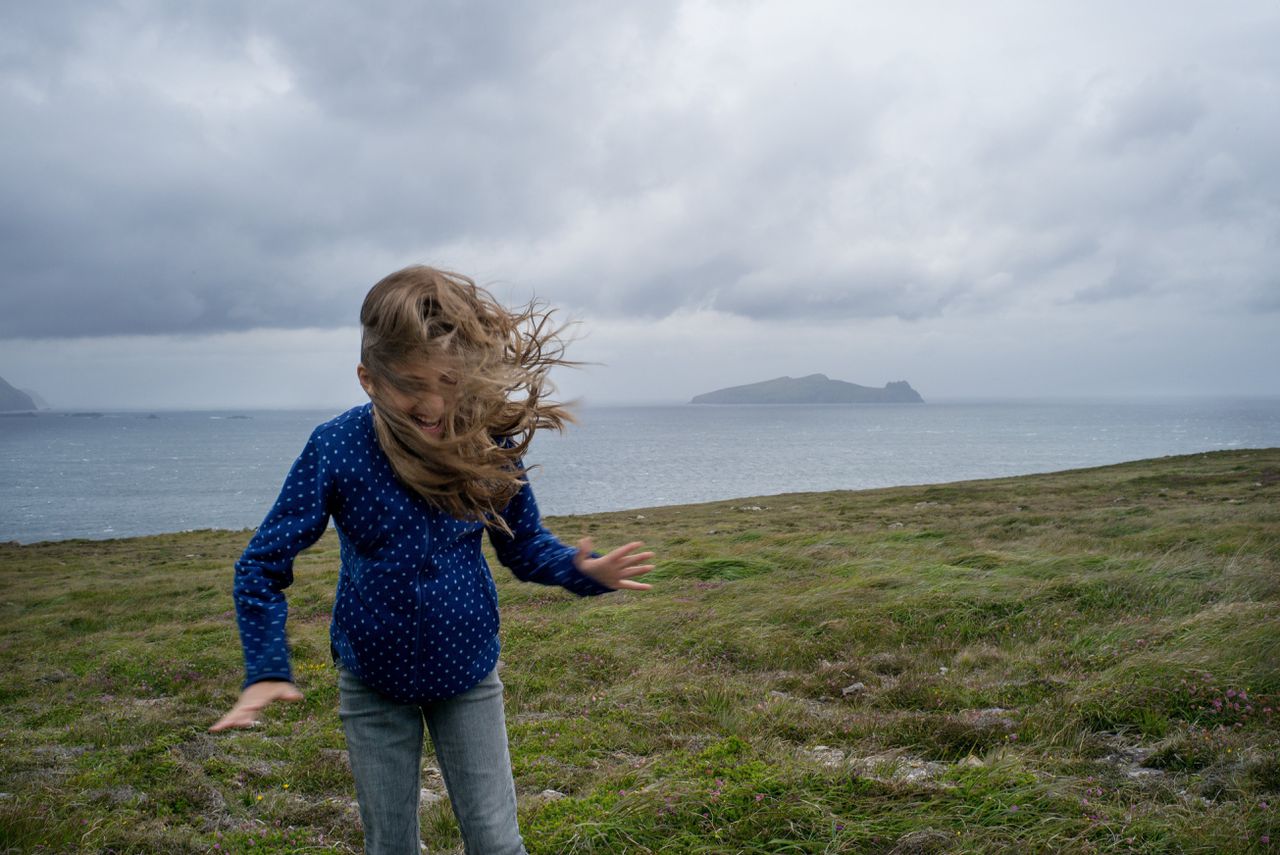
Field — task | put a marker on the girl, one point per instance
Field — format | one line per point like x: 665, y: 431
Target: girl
x: 456, y: 386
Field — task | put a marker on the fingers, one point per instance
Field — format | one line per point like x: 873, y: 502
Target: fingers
x: 637, y: 571
x: 252, y: 701
x: 239, y: 717
x: 622, y: 557
x: 622, y: 551
x: 618, y: 567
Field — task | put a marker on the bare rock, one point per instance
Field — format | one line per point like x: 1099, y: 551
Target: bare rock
x: 432, y: 777
x: 896, y: 767
x: 823, y: 755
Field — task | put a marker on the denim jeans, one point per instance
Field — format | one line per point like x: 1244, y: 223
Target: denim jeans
x: 469, y: 732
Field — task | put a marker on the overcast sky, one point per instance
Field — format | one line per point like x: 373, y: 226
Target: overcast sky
x: 982, y: 198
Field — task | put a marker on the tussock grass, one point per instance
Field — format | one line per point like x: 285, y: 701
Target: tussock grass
x: 1084, y: 661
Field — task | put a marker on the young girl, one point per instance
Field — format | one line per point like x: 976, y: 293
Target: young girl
x: 456, y: 386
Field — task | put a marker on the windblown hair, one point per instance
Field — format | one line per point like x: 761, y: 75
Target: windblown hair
x: 421, y: 317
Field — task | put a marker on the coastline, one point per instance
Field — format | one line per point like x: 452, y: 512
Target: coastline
x: 748, y: 499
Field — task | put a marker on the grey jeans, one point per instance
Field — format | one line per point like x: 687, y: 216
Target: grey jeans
x: 469, y: 733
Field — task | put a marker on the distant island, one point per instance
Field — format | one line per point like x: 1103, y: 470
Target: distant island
x: 814, y: 389
x: 13, y: 400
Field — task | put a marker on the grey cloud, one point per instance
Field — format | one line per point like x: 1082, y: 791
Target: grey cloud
x: 1130, y: 277
x: 1151, y: 111
x: 875, y: 291
x: 603, y: 153
x: 147, y: 222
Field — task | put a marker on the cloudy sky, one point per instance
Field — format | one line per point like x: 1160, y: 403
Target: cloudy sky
x: 983, y: 198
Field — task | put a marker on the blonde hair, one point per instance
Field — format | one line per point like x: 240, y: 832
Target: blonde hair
x: 499, y: 358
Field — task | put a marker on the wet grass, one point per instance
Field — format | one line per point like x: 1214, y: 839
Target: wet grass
x: 1086, y: 661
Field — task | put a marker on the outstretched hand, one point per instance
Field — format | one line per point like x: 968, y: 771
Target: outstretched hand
x: 618, y: 568
x: 253, y: 699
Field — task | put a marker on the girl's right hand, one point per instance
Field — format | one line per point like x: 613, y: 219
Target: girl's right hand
x: 253, y: 699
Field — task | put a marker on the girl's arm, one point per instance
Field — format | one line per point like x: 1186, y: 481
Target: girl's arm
x: 534, y: 554
x: 298, y: 518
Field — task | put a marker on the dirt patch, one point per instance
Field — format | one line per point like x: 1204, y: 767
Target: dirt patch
x: 61, y: 752
x: 199, y: 749
x: 993, y: 717
x: 336, y: 756
x: 116, y: 796
x: 924, y: 842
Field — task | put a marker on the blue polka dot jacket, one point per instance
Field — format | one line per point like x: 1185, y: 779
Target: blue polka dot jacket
x: 416, y: 612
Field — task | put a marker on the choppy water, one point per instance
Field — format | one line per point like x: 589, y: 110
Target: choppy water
x: 122, y: 474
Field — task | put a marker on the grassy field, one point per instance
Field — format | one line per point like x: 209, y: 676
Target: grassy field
x: 1085, y: 661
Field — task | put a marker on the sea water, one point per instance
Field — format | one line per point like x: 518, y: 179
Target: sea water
x: 119, y: 474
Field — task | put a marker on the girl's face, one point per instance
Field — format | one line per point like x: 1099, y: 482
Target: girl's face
x: 427, y: 404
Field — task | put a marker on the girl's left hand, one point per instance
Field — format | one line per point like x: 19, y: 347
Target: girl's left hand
x: 616, y: 569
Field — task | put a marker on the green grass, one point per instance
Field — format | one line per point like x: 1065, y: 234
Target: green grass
x: 1080, y: 662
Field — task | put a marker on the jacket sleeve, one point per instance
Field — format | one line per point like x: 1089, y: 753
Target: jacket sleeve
x: 534, y: 554
x: 298, y: 518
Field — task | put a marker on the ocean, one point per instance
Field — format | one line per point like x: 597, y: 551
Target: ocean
x: 120, y: 474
